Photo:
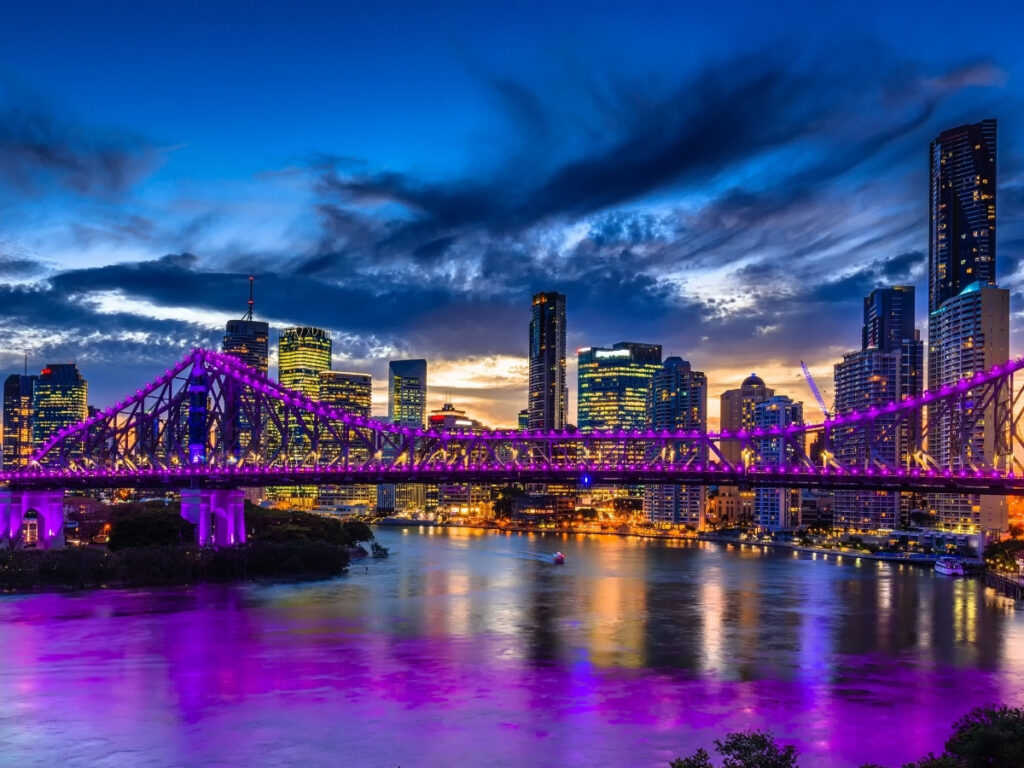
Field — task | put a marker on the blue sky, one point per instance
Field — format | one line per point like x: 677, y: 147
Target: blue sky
x: 725, y: 179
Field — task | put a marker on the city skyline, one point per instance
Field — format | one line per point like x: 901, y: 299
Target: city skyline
x: 740, y: 233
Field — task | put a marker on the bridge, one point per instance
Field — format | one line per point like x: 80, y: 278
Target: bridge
x: 211, y: 426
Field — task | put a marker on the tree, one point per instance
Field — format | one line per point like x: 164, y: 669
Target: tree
x: 748, y: 749
x: 150, y: 528
x: 698, y: 759
x: 357, y: 530
x: 989, y: 737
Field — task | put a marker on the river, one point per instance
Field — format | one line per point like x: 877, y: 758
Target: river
x: 471, y: 648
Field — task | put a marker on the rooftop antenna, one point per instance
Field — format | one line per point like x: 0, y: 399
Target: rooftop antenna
x: 248, y: 315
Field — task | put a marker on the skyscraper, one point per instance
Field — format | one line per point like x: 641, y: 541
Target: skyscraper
x: 968, y: 316
x: 407, y: 407
x: 302, y: 353
x: 248, y: 339
x: 351, y: 393
x: 678, y: 400
x: 59, y: 398
x: 615, y: 385
x: 888, y: 368
x: 737, y: 412
x: 962, y: 227
x: 776, y: 508
x: 18, y: 444
x: 549, y: 394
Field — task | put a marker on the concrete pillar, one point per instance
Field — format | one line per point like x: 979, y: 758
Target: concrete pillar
x: 9, y: 501
x: 195, y: 507
x: 227, y: 508
x: 49, y: 507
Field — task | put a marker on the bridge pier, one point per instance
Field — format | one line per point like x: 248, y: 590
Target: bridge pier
x: 217, y: 513
x: 49, y: 508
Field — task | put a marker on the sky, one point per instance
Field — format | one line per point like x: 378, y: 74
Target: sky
x: 728, y: 180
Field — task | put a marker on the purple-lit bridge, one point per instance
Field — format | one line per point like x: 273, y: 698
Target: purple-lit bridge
x: 210, y: 426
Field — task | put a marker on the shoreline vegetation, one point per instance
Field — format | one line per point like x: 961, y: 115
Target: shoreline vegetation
x: 986, y: 737
x: 150, y: 545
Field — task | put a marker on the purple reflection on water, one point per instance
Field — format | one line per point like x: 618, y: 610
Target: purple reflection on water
x: 467, y: 647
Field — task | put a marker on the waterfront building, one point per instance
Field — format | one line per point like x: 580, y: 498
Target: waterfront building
x: 678, y: 400
x: 968, y: 316
x: 457, y: 499
x: 407, y: 407
x: 969, y: 333
x: 737, y: 412
x: 615, y: 385
x: 17, y: 416
x: 888, y: 368
x: 549, y: 393
x: 59, y: 399
x: 776, y: 508
x: 351, y: 393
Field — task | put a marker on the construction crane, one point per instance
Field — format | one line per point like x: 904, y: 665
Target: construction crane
x: 816, y: 392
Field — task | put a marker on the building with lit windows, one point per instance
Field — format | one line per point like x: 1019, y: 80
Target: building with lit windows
x: 249, y: 341
x: 407, y: 407
x: 776, y: 508
x: 967, y: 334
x: 737, y: 412
x: 351, y: 393
x: 549, y: 394
x: 17, y: 415
x: 59, y: 399
x: 302, y: 354
x: 523, y: 420
x: 678, y: 400
x: 968, y: 316
x: 887, y: 369
x: 457, y: 499
x: 615, y: 385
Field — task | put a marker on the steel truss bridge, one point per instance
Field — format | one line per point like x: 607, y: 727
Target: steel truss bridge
x: 211, y: 426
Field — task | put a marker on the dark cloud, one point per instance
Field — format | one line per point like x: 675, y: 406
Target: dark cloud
x: 40, y: 149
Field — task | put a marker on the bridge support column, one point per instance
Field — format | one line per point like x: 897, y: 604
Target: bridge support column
x: 10, y: 507
x: 218, y: 515
x: 195, y: 507
x: 227, y: 507
x: 49, y: 507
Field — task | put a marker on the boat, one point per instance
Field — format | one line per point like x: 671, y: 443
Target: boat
x: 559, y: 558
x: 949, y: 566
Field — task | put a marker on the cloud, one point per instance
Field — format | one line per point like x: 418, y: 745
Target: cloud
x: 41, y: 149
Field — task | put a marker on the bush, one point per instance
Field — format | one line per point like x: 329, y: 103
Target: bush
x: 149, y: 528
x: 749, y: 749
x: 989, y: 737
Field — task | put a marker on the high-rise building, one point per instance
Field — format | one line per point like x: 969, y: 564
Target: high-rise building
x: 737, y: 412
x: 302, y: 353
x: 549, y: 393
x: 969, y: 333
x: 888, y: 368
x: 615, y: 384
x: 776, y: 508
x: 248, y: 340
x: 407, y: 407
x: 962, y: 202
x: 351, y: 393
x: 59, y: 398
x: 678, y: 400
x: 523, y: 420
x: 968, y: 316
x: 18, y: 445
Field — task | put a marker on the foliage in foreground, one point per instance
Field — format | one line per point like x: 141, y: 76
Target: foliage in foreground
x: 87, y: 567
x: 986, y: 737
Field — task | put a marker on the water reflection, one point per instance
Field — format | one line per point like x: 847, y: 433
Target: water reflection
x: 633, y: 652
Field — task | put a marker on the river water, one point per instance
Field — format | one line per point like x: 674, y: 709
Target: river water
x: 471, y: 648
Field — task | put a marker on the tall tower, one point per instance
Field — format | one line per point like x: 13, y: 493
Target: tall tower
x: 968, y: 316
x: 738, y: 412
x: 407, y: 407
x: 962, y: 207
x: 679, y: 400
x: 248, y: 339
x: 776, y: 508
x: 302, y: 353
x: 351, y: 393
x: 59, y: 399
x: 614, y: 385
x: 18, y: 420
x: 549, y: 394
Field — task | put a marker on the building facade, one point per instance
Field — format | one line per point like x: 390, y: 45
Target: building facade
x: 737, y: 412
x: 351, y: 393
x: 17, y: 415
x: 615, y: 385
x: 249, y: 341
x: 407, y: 407
x: 678, y: 400
x: 303, y: 352
x: 59, y: 399
x: 776, y: 509
x: 888, y: 368
x: 968, y: 316
x: 549, y: 394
